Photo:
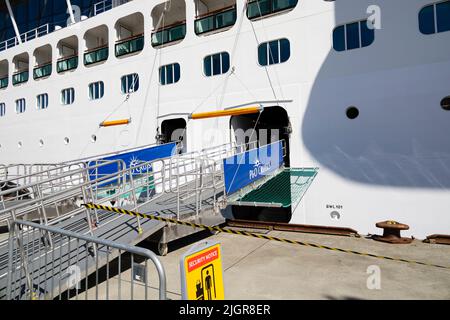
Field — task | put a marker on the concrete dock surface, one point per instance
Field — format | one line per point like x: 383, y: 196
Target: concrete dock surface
x: 268, y: 270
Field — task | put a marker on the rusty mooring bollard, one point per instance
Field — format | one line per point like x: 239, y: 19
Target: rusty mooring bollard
x: 391, y: 232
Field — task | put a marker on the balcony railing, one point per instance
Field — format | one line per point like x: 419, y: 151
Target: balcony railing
x: 107, y: 5
x: 169, y: 34
x: 66, y: 64
x: 260, y: 8
x: 215, y: 20
x: 27, y: 36
x: 20, y: 77
x: 42, y: 71
x: 130, y: 45
x: 3, y: 82
x: 96, y: 55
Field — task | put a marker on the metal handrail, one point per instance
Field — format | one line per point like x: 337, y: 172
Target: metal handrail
x: 197, y: 167
x: 106, y: 5
x: 107, y: 243
x: 28, y: 204
x: 27, y: 36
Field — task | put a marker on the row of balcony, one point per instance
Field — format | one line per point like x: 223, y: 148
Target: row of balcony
x: 3, y: 82
x: 208, y: 23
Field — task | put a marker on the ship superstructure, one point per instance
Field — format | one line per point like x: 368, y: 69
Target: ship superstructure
x: 356, y: 90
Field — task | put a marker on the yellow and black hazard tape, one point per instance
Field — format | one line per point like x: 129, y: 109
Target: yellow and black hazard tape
x: 254, y: 235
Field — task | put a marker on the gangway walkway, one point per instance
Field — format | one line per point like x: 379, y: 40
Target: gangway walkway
x: 186, y: 187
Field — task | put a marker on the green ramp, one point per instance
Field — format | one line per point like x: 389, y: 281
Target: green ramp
x: 284, y: 189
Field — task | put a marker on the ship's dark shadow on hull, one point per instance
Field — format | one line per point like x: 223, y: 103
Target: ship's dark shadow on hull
x: 401, y: 137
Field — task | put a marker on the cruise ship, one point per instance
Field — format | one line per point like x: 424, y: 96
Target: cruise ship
x: 356, y: 90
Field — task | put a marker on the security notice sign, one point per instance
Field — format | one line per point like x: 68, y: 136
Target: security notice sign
x: 201, y: 273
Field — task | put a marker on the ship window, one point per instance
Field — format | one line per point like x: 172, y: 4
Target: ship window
x: 445, y: 103
x: 130, y: 83
x: 353, y: 36
x: 170, y: 73
x: 435, y: 18
x: 96, y: 90
x: 20, y: 106
x: 273, y: 52
x: 67, y: 96
x: 42, y: 101
x: 216, y: 64
x: 2, y: 109
x: 352, y: 113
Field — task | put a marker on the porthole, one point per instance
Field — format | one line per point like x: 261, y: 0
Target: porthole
x: 93, y: 138
x: 20, y: 144
x: 41, y: 143
x: 445, y: 103
x: 352, y: 113
x: 66, y: 141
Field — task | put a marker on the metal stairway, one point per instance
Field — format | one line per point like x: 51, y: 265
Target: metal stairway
x: 186, y: 187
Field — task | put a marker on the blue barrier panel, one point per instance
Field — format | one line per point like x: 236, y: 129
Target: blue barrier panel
x: 133, y: 158
x: 245, y: 168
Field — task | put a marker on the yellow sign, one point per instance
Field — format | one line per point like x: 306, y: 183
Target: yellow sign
x: 202, y: 273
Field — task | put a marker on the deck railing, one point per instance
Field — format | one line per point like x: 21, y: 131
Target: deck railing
x: 31, y: 275
x: 107, y: 5
x: 20, y: 77
x: 96, y: 55
x: 67, y: 63
x: 169, y: 34
x: 3, y: 82
x: 130, y: 45
x: 42, y: 71
x: 27, y: 36
x: 260, y: 8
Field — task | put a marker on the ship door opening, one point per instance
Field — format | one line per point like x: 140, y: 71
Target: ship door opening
x: 270, y: 126
x: 174, y: 130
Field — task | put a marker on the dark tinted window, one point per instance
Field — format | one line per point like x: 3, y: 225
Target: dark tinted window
x: 274, y: 52
x: 426, y: 20
x: 207, y: 66
x: 169, y: 74
x: 216, y: 64
x: 339, y: 38
x: 352, y: 36
x: 262, y: 54
x: 443, y: 16
x: 367, y: 34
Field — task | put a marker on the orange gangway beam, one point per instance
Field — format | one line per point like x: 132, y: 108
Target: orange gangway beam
x: 115, y: 123
x: 225, y: 113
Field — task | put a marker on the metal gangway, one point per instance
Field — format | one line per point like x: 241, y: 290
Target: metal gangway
x: 187, y: 187
x: 78, y: 267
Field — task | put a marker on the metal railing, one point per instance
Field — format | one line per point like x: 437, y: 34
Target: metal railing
x: 169, y: 34
x: 20, y: 77
x: 216, y: 20
x: 42, y: 71
x: 107, y: 5
x: 261, y: 8
x: 25, y: 37
x: 130, y: 45
x: 96, y: 55
x: 67, y: 63
x: 33, y: 275
x: 53, y: 194
x: 4, y: 82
